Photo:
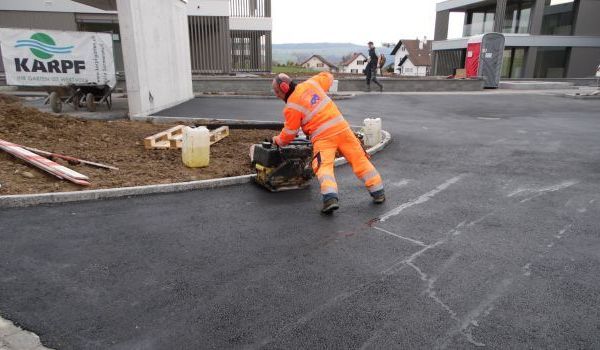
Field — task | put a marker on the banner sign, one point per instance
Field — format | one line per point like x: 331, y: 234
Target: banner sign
x: 56, y: 58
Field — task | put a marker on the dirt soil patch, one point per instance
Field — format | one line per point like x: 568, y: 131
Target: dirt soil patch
x: 118, y: 143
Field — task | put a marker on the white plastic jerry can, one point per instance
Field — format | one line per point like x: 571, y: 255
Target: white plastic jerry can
x: 372, y: 131
x: 195, y: 148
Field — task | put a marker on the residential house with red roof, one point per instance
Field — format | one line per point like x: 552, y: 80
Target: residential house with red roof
x: 355, y: 64
x: 412, y: 57
x: 318, y: 63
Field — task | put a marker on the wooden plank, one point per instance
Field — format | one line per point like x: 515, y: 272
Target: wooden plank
x: 71, y: 160
x: 150, y: 142
x: 176, y: 141
x: 219, y: 134
x: 42, y: 163
x: 173, y: 138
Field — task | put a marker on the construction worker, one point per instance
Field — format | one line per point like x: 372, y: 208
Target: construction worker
x: 309, y: 108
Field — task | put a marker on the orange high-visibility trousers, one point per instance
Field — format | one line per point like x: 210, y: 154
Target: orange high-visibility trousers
x: 324, y: 151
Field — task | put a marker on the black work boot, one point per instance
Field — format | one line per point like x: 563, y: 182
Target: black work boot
x: 378, y: 197
x: 330, y: 205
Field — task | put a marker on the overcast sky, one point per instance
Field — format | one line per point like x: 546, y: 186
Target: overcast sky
x: 343, y: 21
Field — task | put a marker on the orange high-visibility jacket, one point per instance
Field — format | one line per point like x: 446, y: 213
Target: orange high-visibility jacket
x: 309, y: 108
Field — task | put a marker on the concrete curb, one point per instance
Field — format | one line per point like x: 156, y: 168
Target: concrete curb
x: 386, y: 139
x: 27, y: 200
x: 535, y: 85
x: 17, y: 201
x: 582, y: 96
x: 157, y: 119
x: 266, y: 97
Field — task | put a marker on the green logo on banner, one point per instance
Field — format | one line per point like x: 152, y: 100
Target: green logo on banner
x: 43, y: 46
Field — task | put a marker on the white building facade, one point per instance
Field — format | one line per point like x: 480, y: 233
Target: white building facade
x: 412, y: 58
x: 355, y: 65
x: 318, y: 63
x: 408, y: 69
x: 224, y: 35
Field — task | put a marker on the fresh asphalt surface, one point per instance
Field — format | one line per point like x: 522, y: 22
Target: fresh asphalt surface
x: 490, y: 238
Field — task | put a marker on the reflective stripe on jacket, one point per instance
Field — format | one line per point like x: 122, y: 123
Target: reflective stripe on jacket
x: 310, y: 109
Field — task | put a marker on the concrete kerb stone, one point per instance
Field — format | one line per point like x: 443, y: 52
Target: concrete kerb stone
x: 581, y: 96
x: 335, y: 97
x: 16, y: 201
x: 27, y: 200
x: 15, y: 338
x: 201, y: 120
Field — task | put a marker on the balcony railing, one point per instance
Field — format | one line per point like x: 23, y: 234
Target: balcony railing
x: 250, y: 8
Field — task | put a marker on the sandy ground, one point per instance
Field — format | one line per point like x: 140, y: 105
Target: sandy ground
x: 118, y: 143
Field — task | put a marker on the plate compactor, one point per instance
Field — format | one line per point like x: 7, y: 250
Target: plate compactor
x: 283, y: 168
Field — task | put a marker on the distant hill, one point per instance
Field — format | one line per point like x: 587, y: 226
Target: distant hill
x: 332, y: 52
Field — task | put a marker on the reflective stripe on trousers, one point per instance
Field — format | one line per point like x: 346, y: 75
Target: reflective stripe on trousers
x: 375, y: 188
x: 372, y: 181
x: 328, y: 184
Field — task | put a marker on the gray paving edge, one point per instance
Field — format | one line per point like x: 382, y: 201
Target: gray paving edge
x: 582, y: 96
x: 157, y: 119
x: 16, y: 201
x: 16, y: 338
x: 334, y: 97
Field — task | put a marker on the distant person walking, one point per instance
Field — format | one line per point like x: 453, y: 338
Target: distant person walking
x: 371, y: 70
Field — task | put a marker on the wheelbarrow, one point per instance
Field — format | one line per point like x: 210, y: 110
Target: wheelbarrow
x: 78, y: 95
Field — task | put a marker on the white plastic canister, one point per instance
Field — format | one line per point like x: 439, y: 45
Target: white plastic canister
x: 334, y: 86
x: 372, y: 131
x: 195, y: 151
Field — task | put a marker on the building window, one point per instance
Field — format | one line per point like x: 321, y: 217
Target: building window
x: 408, y: 70
x: 551, y: 62
x: 479, y: 21
x: 513, y: 62
x: 319, y: 65
x: 360, y: 63
x: 518, y: 14
x: 559, y: 16
x: 354, y: 71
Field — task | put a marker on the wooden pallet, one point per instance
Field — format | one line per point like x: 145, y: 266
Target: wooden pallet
x: 162, y: 139
x: 173, y: 138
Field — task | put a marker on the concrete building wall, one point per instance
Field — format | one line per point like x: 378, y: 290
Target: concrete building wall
x: 208, y: 8
x: 442, y: 20
x: 49, y: 6
x: 156, y: 51
x: 251, y: 23
x: 583, y: 62
x: 41, y: 20
x: 588, y: 18
x: 499, y: 15
x: 537, y: 17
